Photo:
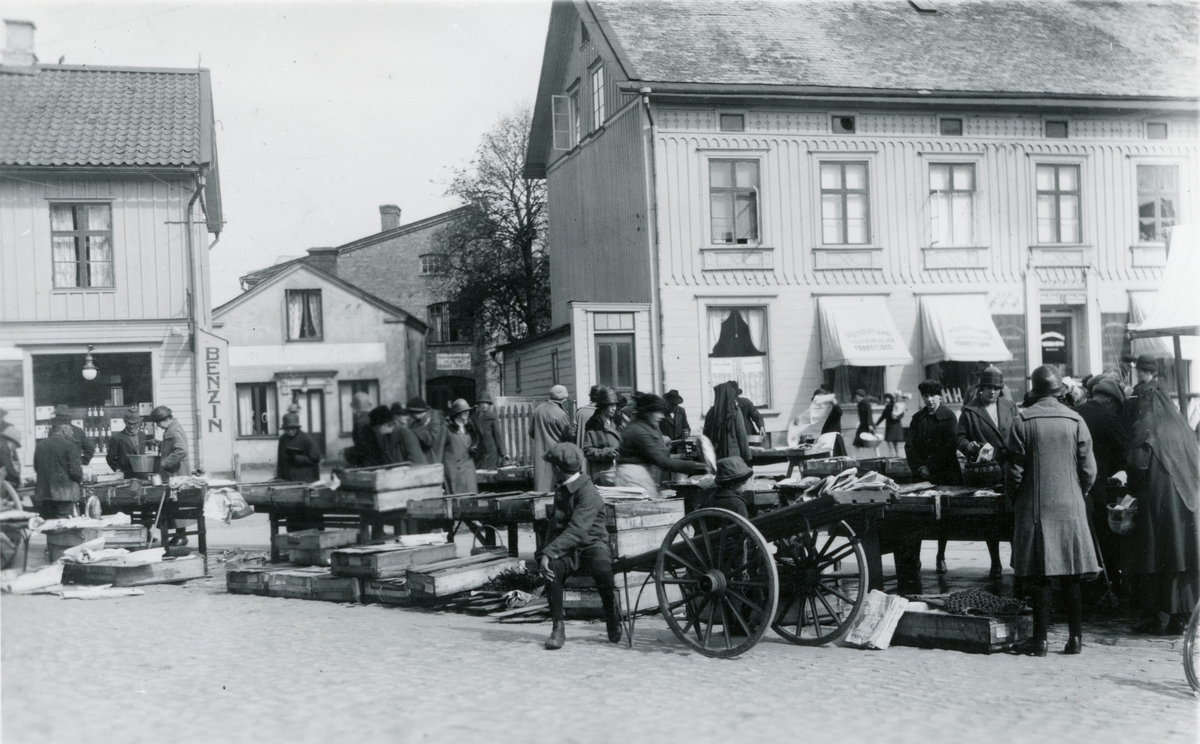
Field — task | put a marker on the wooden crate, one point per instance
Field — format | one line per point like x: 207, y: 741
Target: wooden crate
x: 388, y: 560
x: 110, y: 572
x: 391, y: 477
x: 130, y: 536
x: 384, y: 501
x: 393, y: 591
x: 251, y: 579
x: 319, y: 557
x: 316, y: 539
x: 638, y: 514
x: 474, y: 506
x: 441, y: 580
x: 828, y: 465
x: 977, y: 635
x: 629, y: 542
x: 581, y: 598
x: 314, y: 583
x: 525, y: 507
x: 431, y: 507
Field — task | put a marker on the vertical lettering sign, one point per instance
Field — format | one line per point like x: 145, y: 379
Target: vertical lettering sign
x: 214, y: 402
x: 212, y: 373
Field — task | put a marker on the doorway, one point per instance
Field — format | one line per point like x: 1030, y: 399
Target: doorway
x: 1059, y: 341
x: 312, y: 414
x: 615, y: 363
x: 440, y: 392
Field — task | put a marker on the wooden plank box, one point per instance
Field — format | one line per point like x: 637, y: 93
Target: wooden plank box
x: 432, y: 507
x: 391, y: 477
x: 168, y: 571
x: 252, y: 579
x: 388, y: 560
x: 440, y: 580
x: 976, y: 635
x: 525, y: 507
x: 629, y: 542
x: 383, y: 501
x: 316, y: 539
x: 314, y: 583
x: 259, y: 494
x: 115, y: 536
x: 828, y: 465
x: 638, y: 514
x: 320, y: 557
x: 393, y: 591
x: 474, y: 506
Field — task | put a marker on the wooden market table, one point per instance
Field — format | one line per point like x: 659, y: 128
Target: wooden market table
x: 505, y: 480
x: 151, y: 505
x: 793, y: 456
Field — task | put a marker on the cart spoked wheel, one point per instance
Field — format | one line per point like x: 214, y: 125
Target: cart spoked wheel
x: 716, y: 582
x: 822, y: 584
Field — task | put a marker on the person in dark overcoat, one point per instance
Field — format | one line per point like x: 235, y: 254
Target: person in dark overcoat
x: 374, y: 446
x: 1161, y: 557
x: 725, y: 423
x: 405, y: 446
x: 1049, y: 467
x: 675, y: 425
x: 124, y: 443
x: 460, y: 446
x: 429, y: 426
x: 577, y: 540
x: 602, y: 439
x: 56, y: 462
x: 862, y: 403
x: 752, y: 420
x: 299, y: 457
x: 929, y: 450
x: 87, y: 448
x: 549, y: 425
x: 1102, y: 413
x: 986, y: 419
x: 490, y: 450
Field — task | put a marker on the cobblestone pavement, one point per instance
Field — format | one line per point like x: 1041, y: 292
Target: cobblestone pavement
x: 194, y: 664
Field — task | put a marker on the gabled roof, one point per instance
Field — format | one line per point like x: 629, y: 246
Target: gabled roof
x: 75, y: 116
x: 294, y: 266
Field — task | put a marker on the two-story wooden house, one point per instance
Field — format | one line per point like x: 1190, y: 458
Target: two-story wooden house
x: 108, y: 190
x: 858, y: 194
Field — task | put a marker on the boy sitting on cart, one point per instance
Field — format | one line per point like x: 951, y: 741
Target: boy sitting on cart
x: 732, y: 475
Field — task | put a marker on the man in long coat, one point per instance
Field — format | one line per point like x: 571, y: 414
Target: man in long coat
x: 1049, y: 467
x: 675, y: 424
x: 490, y: 454
x: 173, y: 460
x: 87, y: 448
x: 429, y: 428
x: 298, y: 457
x: 550, y: 426
x: 930, y: 453
x: 56, y: 462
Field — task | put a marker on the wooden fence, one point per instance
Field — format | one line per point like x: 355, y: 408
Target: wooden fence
x: 515, y: 416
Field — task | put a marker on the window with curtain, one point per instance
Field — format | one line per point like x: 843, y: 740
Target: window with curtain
x: 844, y: 379
x: 845, y: 204
x: 739, y: 350
x: 1058, y: 203
x: 952, y: 203
x: 257, y: 410
x: 346, y: 391
x: 733, y: 201
x: 82, y: 238
x: 305, y: 322
x: 1158, y: 192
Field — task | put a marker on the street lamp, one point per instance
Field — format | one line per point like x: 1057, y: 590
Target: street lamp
x: 89, y: 367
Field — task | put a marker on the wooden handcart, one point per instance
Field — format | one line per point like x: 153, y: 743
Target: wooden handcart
x: 800, y: 570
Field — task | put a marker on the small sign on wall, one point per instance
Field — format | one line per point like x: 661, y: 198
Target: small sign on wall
x: 446, y: 362
x: 145, y: 409
x: 43, y: 413
x: 41, y: 431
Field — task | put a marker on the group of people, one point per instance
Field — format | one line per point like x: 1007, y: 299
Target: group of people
x: 1057, y: 455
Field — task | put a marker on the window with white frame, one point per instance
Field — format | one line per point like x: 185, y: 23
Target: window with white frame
x: 1158, y: 193
x: 845, y: 204
x: 733, y: 201
x: 433, y: 263
x: 82, y: 239
x: 598, y: 114
x: 347, y: 389
x: 444, y: 327
x: 304, y: 319
x: 739, y: 350
x: 576, y: 115
x: 1057, y: 203
x: 952, y: 204
x: 257, y: 410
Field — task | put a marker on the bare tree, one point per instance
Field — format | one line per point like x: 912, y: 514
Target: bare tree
x: 496, y: 267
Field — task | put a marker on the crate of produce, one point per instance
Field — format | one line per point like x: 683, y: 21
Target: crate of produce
x: 167, y: 571
x: 970, y: 633
x: 828, y: 465
x: 251, y: 579
x: 435, y: 507
x: 316, y: 539
x: 626, y: 515
x: 391, y: 477
x: 525, y: 507
x: 392, y: 591
x: 388, y: 560
x: 314, y: 583
x: 436, y: 581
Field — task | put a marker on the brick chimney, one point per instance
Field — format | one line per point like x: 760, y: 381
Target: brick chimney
x: 323, y: 258
x: 389, y: 217
x: 18, y: 48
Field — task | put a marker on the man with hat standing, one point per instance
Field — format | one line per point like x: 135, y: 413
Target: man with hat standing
x: 59, y: 473
x: 930, y: 453
x: 62, y: 415
x: 578, y: 539
x: 124, y: 443
x: 1049, y: 466
x: 298, y: 458
x: 460, y: 443
x: 429, y: 428
x: 732, y: 475
x: 490, y: 448
x: 10, y: 459
x: 550, y: 425
x: 674, y: 424
x: 173, y: 458
x: 985, y: 420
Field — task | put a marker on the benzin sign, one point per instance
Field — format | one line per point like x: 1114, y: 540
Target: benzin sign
x: 213, y: 402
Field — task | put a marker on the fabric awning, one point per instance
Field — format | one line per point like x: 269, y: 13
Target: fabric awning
x: 1176, y: 307
x: 1140, y: 306
x: 959, y: 328
x: 859, y: 331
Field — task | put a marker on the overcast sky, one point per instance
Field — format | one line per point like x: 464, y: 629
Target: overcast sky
x: 324, y: 110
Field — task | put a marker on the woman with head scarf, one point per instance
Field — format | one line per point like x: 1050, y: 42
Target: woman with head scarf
x: 642, y: 455
x: 725, y: 425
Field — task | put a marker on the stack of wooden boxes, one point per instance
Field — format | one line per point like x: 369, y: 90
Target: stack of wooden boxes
x: 127, y: 536
x: 313, y: 547
x: 388, y: 487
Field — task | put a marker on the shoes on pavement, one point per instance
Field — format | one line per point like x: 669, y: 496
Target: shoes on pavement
x: 558, y: 636
x: 995, y: 573
x: 1030, y: 647
x: 1176, y: 625
x: 1074, y: 645
x: 178, y: 541
x: 614, y: 628
x: 941, y: 566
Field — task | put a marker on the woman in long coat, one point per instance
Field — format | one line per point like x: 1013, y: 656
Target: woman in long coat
x: 724, y: 425
x: 457, y: 455
x: 602, y: 439
x: 1049, y: 465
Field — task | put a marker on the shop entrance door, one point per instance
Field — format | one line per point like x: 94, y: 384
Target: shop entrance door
x: 1058, y: 342
x: 312, y: 414
x: 615, y: 363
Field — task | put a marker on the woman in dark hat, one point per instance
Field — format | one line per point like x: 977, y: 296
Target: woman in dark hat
x: 460, y: 445
x: 732, y: 475
x: 601, y: 438
x: 725, y: 425
x: 124, y: 443
x: 299, y: 458
x: 642, y: 456
x: 376, y: 446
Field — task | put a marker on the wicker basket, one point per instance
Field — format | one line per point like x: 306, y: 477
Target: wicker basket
x: 143, y: 464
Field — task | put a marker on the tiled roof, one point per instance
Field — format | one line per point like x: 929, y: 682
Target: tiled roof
x: 77, y: 116
x: 1084, y: 47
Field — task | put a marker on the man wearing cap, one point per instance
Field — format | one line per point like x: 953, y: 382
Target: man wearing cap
x: 62, y: 415
x: 460, y: 445
x: 550, y: 425
x: 173, y: 459
x: 732, y: 475
x: 298, y: 458
x: 10, y: 459
x: 124, y: 443
x: 59, y: 473
x: 1049, y: 467
x: 985, y: 419
x: 578, y: 539
x: 429, y: 428
x: 674, y: 425
x: 1103, y: 414
x: 490, y: 449
x: 932, y: 437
